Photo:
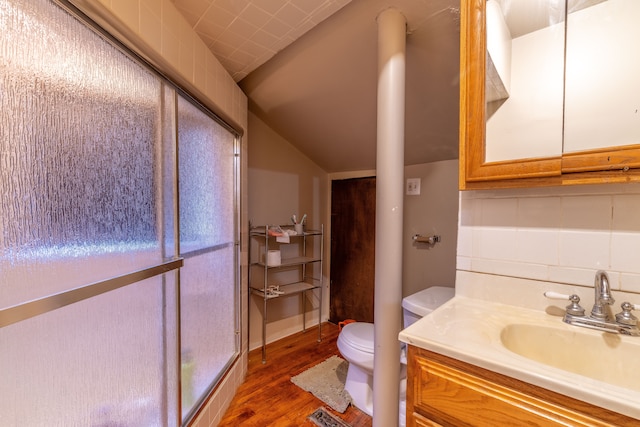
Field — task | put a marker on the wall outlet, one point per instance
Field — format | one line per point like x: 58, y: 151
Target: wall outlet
x: 413, y: 187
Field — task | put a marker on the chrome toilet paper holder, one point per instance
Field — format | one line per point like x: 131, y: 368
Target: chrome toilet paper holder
x: 432, y: 240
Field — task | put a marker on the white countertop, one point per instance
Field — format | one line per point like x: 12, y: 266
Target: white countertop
x: 469, y: 330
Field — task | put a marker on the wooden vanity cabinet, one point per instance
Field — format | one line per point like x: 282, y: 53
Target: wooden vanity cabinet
x: 442, y: 391
x: 604, y: 165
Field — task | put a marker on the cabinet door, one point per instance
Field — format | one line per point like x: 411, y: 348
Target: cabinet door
x: 508, y: 145
x: 448, y: 392
x: 602, y: 104
x: 525, y: 69
x: 509, y: 120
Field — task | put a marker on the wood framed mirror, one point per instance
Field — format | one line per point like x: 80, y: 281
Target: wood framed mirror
x: 545, y: 109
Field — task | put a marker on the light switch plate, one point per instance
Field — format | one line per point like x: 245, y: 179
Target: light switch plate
x: 413, y: 187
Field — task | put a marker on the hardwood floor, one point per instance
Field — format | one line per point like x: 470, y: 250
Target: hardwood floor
x: 269, y: 398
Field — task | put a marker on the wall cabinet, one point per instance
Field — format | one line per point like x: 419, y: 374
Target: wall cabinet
x: 596, y: 113
x: 295, y: 270
x: 442, y: 391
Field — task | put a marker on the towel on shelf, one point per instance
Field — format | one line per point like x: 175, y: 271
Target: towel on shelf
x: 282, y: 236
x: 285, y: 236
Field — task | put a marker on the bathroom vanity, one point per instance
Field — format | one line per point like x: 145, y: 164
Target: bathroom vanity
x: 443, y: 391
x: 478, y: 362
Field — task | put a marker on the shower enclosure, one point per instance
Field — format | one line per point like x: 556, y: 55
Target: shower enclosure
x: 119, y: 264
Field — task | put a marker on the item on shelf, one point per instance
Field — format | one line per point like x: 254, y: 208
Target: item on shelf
x: 298, y: 226
x: 282, y: 236
x: 294, y: 219
x: 274, y: 291
x: 276, y: 231
x: 274, y: 257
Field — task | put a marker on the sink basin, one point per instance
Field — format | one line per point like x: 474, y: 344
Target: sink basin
x: 602, y: 356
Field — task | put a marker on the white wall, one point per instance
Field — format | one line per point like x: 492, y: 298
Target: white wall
x: 283, y: 181
x: 562, y: 235
x: 434, y: 211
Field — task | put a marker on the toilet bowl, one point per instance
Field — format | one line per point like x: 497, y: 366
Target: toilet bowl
x: 355, y: 343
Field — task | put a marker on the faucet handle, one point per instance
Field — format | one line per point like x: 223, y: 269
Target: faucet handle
x: 574, y: 309
x: 625, y: 317
x: 556, y: 295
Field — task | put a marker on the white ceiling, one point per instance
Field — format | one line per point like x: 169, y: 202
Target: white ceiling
x: 309, y: 69
x: 244, y: 34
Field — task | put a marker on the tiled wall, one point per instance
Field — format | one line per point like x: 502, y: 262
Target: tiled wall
x: 156, y: 29
x: 560, y: 235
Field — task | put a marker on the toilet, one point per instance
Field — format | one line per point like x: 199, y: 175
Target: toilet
x: 355, y: 343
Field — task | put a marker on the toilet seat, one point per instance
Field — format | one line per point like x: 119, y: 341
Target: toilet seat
x: 359, y: 335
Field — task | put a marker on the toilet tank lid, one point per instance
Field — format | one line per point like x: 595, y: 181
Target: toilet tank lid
x: 427, y: 300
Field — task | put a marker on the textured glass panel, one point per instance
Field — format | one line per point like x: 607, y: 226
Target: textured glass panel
x: 208, y: 304
x: 79, y: 135
x: 206, y: 159
x: 99, y: 362
x: 207, y: 281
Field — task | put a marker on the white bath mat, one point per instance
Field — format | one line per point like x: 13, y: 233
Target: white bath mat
x: 326, y: 382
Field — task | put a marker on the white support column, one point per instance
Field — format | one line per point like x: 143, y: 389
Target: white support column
x: 389, y: 210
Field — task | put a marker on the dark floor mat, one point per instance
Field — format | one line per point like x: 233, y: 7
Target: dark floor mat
x: 323, y: 418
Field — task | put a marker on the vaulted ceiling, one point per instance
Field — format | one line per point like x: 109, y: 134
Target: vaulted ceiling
x: 309, y: 69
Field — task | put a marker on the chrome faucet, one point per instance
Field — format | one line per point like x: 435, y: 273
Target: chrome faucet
x: 603, y: 298
x: 600, y: 317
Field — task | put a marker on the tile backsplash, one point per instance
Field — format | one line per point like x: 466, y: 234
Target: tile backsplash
x: 556, y: 234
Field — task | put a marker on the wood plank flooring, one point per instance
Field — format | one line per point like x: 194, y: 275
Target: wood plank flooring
x: 269, y: 398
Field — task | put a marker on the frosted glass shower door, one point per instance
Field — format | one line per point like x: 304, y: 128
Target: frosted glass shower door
x: 98, y: 362
x: 208, y: 234
x: 99, y: 324
x: 82, y: 213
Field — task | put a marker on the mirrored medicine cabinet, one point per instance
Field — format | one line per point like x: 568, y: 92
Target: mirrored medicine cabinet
x: 549, y: 92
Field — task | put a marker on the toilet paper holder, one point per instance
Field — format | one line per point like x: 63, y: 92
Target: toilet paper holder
x: 432, y: 240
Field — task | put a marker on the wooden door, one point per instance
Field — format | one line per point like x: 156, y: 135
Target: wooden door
x: 353, y: 225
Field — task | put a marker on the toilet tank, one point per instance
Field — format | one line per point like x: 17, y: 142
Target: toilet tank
x: 418, y: 305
